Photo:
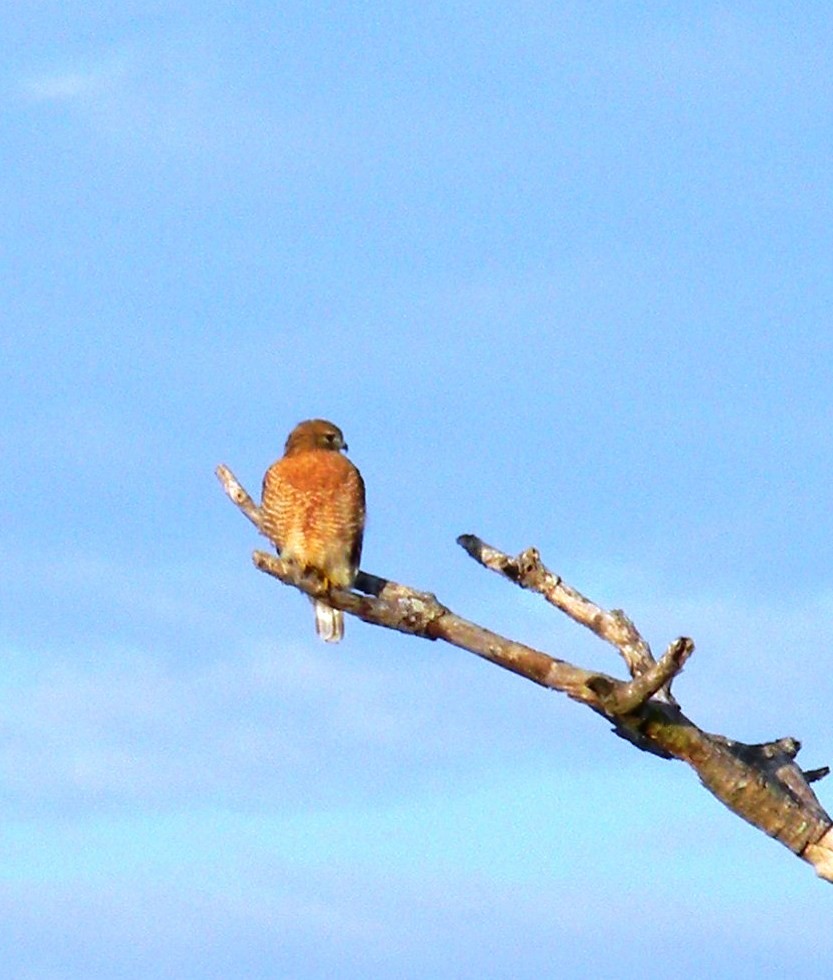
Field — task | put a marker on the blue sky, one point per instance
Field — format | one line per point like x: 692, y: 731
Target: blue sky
x: 562, y: 273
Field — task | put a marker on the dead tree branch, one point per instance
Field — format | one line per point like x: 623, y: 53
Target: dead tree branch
x: 761, y: 783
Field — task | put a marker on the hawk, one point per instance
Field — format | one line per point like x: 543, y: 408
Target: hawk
x: 313, y: 511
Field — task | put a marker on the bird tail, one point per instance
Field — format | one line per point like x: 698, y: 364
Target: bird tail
x: 329, y: 622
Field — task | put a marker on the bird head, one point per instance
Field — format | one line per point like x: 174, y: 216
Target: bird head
x: 315, y: 434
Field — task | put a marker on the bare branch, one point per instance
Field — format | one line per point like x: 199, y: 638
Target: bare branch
x: 529, y: 572
x: 761, y: 783
x: 407, y: 610
x: 238, y: 496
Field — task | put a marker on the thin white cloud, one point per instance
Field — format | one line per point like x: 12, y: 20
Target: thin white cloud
x: 180, y: 101
x: 132, y: 96
x: 81, y: 85
x: 171, y: 102
x: 119, y: 725
x: 61, y: 88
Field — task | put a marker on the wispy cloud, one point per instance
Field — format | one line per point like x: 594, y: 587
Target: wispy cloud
x: 126, y: 98
x: 249, y: 718
x: 94, y: 727
x: 68, y: 87
x: 254, y: 791
x: 172, y: 101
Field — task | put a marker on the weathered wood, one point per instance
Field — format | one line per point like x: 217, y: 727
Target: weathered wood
x: 760, y: 783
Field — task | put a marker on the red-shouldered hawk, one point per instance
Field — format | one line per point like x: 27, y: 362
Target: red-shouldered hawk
x: 313, y: 511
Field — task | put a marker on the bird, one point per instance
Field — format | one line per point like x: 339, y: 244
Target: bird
x: 313, y: 511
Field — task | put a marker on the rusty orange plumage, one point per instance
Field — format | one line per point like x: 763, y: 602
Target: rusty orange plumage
x: 313, y: 508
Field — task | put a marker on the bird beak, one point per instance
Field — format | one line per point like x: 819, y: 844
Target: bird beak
x: 345, y: 447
